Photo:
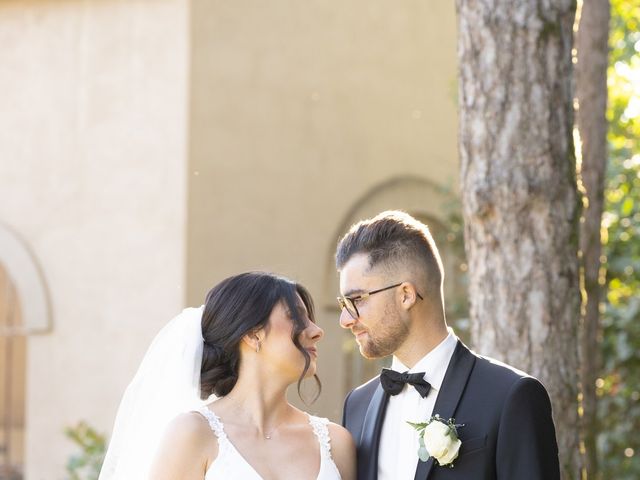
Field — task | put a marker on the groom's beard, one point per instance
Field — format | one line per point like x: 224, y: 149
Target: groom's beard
x: 386, y: 338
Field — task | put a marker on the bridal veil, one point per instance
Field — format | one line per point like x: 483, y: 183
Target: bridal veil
x: 166, y: 384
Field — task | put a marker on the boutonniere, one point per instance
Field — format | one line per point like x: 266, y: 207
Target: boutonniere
x: 438, y: 438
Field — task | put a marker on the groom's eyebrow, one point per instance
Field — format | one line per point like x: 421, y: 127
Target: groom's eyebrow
x: 351, y: 293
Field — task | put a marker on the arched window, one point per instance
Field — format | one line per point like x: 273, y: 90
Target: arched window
x: 24, y: 310
x: 13, y: 346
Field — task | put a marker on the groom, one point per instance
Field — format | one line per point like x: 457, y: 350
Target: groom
x: 391, y: 299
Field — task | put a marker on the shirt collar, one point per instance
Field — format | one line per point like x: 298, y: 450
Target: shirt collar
x: 434, y: 364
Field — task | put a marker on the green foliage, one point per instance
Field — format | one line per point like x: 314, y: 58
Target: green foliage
x: 450, y: 242
x: 86, y: 464
x: 619, y: 385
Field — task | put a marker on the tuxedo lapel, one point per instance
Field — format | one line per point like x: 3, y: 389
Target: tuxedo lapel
x: 453, y: 384
x: 370, y: 437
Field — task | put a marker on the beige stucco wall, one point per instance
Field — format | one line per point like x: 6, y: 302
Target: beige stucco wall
x: 92, y: 159
x: 300, y: 113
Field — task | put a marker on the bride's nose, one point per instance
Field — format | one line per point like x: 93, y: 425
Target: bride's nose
x: 315, y: 332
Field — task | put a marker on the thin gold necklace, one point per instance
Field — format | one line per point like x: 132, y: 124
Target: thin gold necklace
x: 267, y: 436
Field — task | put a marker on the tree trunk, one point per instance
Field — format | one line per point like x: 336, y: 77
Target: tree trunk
x: 520, y: 202
x: 591, y: 91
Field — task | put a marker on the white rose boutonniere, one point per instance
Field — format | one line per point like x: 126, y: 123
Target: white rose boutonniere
x: 438, y: 438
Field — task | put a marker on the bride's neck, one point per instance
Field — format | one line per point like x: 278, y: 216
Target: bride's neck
x: 258, y: 398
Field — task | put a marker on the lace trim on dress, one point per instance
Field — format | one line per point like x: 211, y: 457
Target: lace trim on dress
x: 214, y: 423
x: 321, y: 430
x: 223, y: 442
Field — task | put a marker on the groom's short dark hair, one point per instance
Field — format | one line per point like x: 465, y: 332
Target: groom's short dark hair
x: 394, y: 239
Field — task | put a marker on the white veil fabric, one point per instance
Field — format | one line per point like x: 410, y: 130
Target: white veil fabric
x: 166, y: 384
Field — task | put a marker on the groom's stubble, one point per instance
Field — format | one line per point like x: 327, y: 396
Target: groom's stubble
x: 387, y: 335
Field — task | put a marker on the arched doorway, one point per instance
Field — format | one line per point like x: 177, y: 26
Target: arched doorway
x: 13, y: 346
x: 436, y: 207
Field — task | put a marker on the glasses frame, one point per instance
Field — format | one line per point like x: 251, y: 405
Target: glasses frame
x: 347, y: 303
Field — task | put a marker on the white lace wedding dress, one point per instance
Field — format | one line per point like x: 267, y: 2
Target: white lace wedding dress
x: 231, y: 465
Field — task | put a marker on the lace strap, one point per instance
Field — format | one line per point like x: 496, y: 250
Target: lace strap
x: 214, y: 423
x: 321, y: 430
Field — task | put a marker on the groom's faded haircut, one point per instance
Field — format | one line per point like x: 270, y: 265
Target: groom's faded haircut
x: 394, y: 240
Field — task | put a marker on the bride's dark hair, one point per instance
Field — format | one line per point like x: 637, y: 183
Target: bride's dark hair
x: 235, y: 307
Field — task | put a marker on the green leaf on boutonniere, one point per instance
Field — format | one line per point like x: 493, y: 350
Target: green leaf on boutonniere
x: 418, y: 426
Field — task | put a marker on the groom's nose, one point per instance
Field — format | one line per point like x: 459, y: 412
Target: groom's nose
x: 346, y: 320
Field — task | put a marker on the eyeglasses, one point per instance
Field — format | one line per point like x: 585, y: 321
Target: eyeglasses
x: 349, y: 303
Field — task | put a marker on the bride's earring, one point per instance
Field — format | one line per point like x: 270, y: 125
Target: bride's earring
x: 258, y: 347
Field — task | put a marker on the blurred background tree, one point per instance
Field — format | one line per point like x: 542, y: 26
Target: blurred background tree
x: 611, y: 327
x: 592, y: 62
x: 520, y: 200
x: 618, y: 387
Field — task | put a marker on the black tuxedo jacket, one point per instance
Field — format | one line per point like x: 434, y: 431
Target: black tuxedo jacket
x: 508, y: 431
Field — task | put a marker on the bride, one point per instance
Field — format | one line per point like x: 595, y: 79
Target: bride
x: 254, y: 337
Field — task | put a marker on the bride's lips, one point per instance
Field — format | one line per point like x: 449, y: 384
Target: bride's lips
x: 313, y: 351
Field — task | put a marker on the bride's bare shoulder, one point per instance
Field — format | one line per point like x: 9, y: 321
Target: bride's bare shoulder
x: 343, y: 450
x: 186, y: 449
x: 340, y: 436
x: 191, y: 433
x: 190, y: 426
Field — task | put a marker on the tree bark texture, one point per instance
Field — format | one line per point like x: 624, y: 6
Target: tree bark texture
x: 520, y: 202
x: 591, y: 92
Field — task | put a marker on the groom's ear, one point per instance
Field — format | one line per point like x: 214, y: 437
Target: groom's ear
x: 408, y: 295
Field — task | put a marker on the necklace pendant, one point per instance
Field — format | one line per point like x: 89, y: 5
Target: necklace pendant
x: 267, y: 437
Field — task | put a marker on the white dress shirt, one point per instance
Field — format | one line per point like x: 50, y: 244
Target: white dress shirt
x: 398, y: 454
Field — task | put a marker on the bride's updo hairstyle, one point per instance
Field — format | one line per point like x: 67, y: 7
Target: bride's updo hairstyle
x: 237, y: 306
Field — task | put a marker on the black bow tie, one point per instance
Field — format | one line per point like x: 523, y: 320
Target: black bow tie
x: 393, y: 382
